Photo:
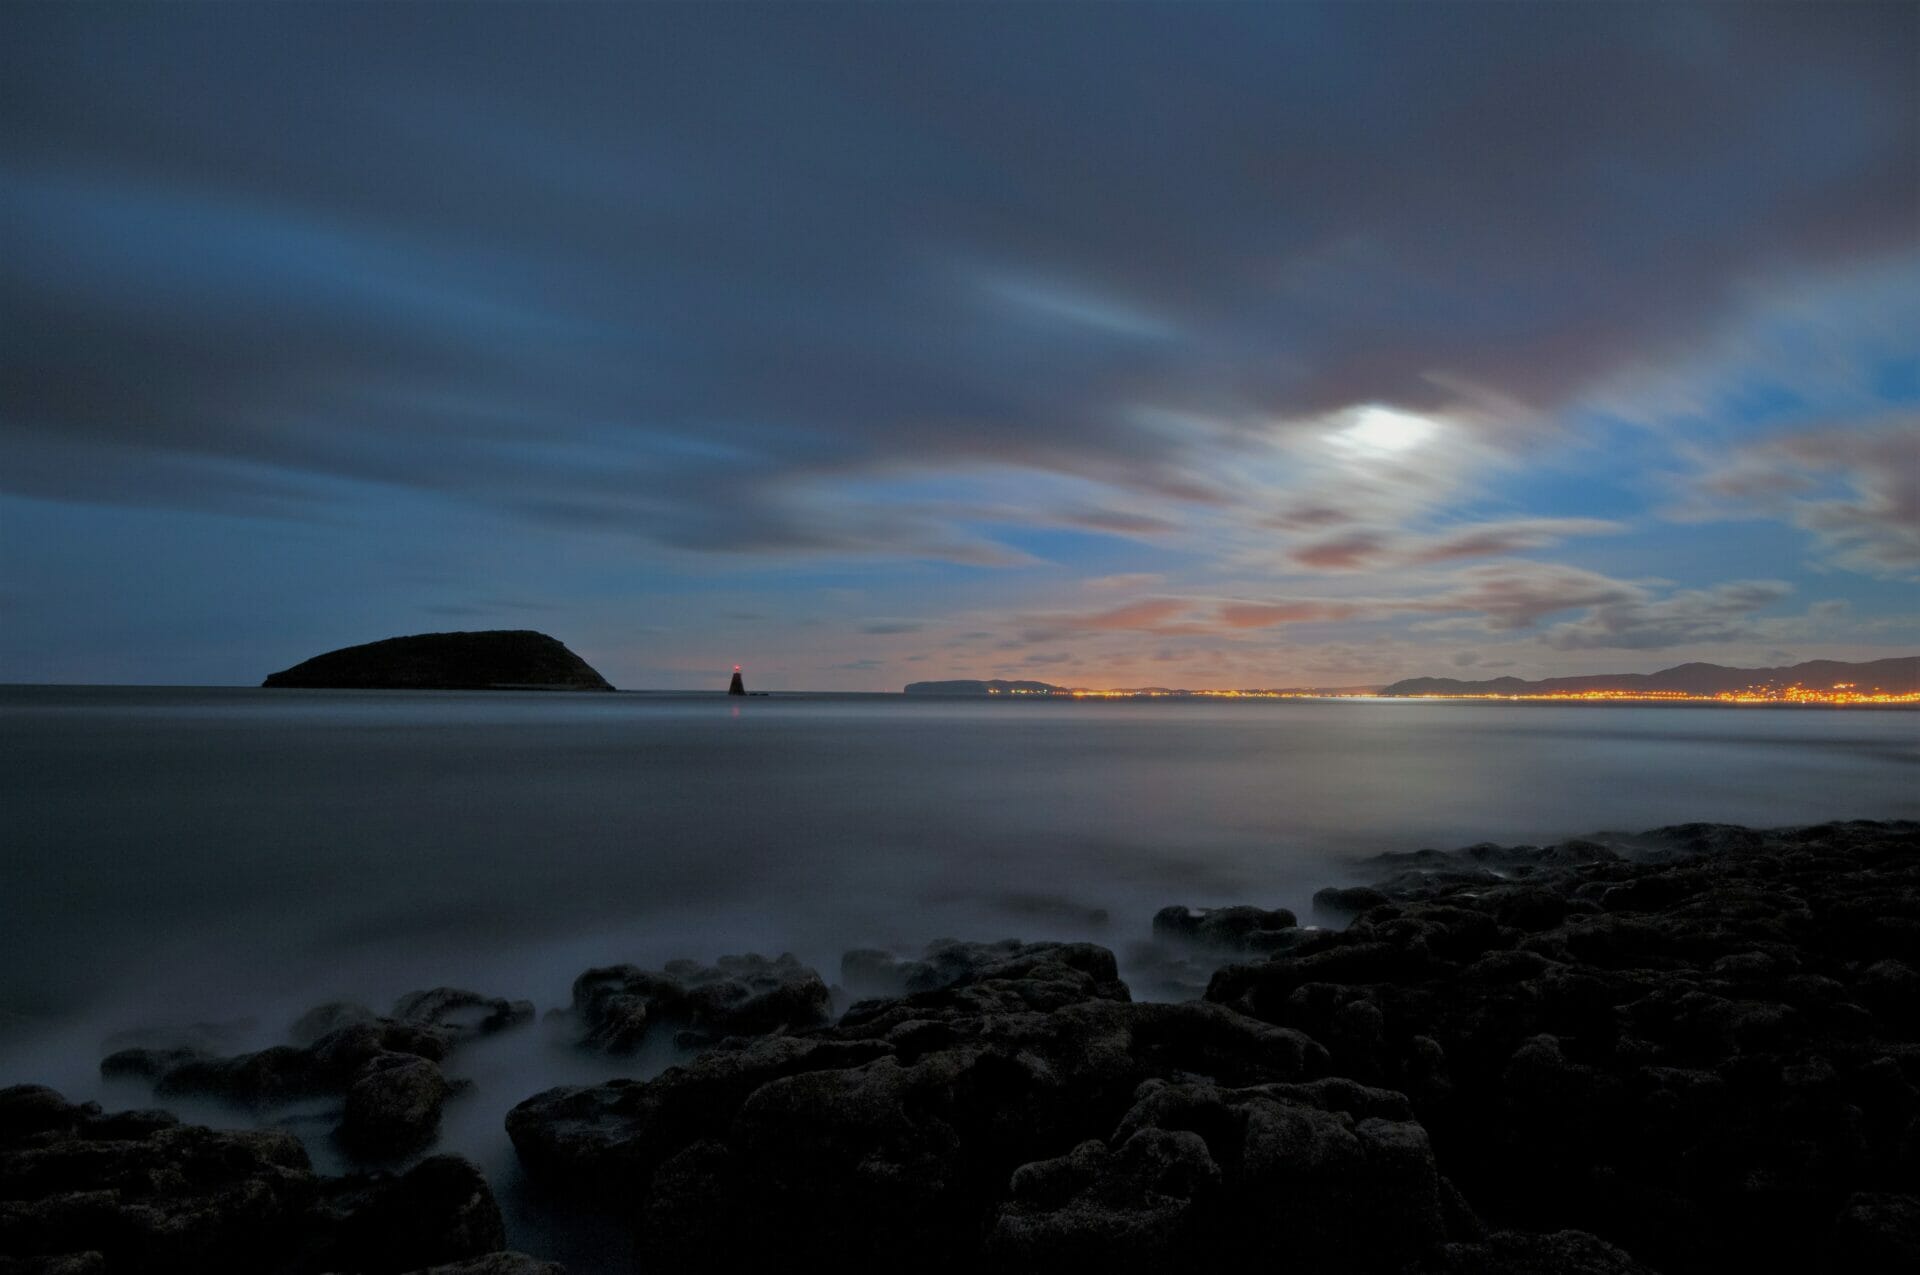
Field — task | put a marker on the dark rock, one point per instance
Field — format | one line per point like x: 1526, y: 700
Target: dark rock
x: 438, y: 1211
x: 324, y: 1020
x: 968, y: 978
x: 384, y: 1069
x: 621, y: 1006
x: 1519, y: 1253
x: 1231, y: 929
x: 461, y: 1015
x: 1525, y: 907
x: 148, y: 1194
x: 394, y: 1107
x: 1876, y: 1234
x: 29, y: 1109
x: 610, y: 1137
x: 945, y: 963
x: 1891, y: 989
x: 84, y: 1192
x: 1195, y: 1173
x: 1132, y: 1208
x: 496, y: 1264
x: 894, y: 1132
x: 1347, y: 901
x: 1683, y: 1044
x: 61, y: 1264
x: 282, y: 1073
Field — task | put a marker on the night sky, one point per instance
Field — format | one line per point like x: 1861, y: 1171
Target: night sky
x: 1149, y: 345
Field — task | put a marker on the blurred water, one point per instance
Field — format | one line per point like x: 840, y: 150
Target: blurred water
x: 179, y: 855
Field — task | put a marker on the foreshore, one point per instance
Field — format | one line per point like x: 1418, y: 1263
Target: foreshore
x: 1688, y: 1050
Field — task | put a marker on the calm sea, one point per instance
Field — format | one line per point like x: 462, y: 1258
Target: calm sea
x: 234, y: 856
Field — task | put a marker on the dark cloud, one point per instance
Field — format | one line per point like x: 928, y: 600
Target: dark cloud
x: 1148, y: 615
x: 1263, y: 615
x: 1519, y: 595
x: 674, y: 273
x: 1492, y: 540
x: 1309, y: 517
x: 1123, y: 581
x: 1857, y: 490
x: 1501, y: 598
x: 1724, y: 613
x: 1120, y: 522
x: 1344, y: 552
x: 1497, y: 597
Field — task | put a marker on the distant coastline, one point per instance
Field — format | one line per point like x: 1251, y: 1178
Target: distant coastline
x: 1894, y: 681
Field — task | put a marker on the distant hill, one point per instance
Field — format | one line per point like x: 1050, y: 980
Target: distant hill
x: 1898, y: 676
x: 494, y: 659
x: 970, y: 686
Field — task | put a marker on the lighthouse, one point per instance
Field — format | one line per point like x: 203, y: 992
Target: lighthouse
x: 736, y: 686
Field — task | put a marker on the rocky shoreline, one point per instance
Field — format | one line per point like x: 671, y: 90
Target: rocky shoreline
x: 1690, y: 1050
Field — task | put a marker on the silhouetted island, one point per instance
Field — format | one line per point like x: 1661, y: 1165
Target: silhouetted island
x: 973, y: 686
x: 491, y: 660
x: 1897, y: 676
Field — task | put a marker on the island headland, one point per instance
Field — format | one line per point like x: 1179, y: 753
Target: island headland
x: 487, y: 660
x: 1690, y: 1050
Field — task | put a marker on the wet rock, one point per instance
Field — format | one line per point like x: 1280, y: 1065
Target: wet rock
x: 620, y: 1007
x: 324, y: 1020
x: 1891, y: 989
x: 965, y: 980
x: 1196, y: 1173
x: 1127, y: 1209
x: 507, y: 1263
x: 1525, y: 907
x: 947, y: 962
x: 611, y: 1137
x: 137, y: 1191
x: 441, y: 1210
x: 1877, y: 1233
x: 394, y: 1107
x: 1520, y: 1253
x: 383, y: 1069
x: 1232, y: 929
x: 1345, y: 902
x: 892, y: 1134
x: 148, y: 1193
x: 1681, y: 1044
x: 63, y: 1264
x: 460, y: 1014
x: 29, y: 1109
